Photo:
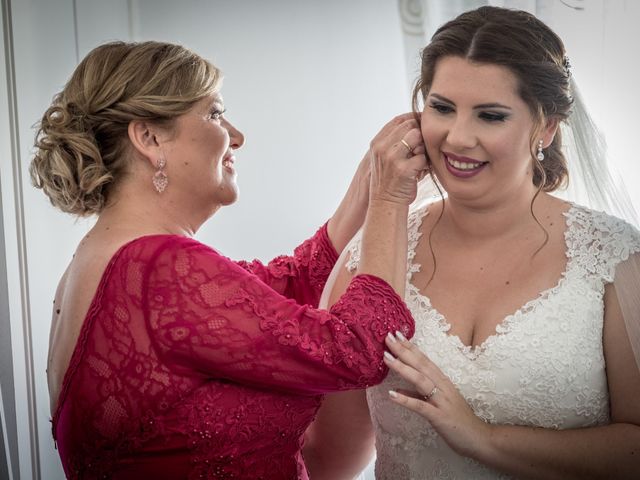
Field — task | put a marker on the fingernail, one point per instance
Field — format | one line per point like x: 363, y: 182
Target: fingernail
x: 400, y: 336
x: 388, y: 357
x: 391, y: 338
x: 393, y: 393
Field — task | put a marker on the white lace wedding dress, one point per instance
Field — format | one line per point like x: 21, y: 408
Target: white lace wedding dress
x: 543, y: 367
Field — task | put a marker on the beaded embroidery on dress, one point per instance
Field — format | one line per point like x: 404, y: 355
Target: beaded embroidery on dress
x: 190, y: 366
x: 544, y: 366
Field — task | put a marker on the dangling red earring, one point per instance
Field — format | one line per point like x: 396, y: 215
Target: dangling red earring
x: 160, y: 179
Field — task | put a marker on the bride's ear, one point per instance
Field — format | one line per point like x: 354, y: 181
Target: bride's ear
x: 549, y: 131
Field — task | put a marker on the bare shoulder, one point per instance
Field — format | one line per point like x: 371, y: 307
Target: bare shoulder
x: 552, y: 215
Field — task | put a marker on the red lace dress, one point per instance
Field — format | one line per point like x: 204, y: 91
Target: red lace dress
x: 189, y: 365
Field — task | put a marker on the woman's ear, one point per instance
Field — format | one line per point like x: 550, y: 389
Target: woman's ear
x: 549, y: 131
x: 144, y: 139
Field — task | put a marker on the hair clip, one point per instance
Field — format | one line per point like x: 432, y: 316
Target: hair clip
x: 566, y: 64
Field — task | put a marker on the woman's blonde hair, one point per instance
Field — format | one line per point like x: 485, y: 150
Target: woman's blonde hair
x: 81, y: 142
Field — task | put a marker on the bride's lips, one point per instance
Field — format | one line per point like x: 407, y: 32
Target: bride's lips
x: 462, y: 167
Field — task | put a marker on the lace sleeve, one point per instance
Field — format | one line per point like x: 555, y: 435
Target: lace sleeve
x: 302, y: 276
x: 207, y: 314
x: 606, y: 250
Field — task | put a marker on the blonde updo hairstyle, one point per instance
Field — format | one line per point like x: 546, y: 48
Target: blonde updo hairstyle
x: 82, y: 140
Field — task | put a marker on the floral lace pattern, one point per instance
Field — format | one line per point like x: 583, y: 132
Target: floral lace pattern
x: 543, y: 367
x: 189, y: 365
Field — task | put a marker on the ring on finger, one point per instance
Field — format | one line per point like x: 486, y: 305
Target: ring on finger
x: 429, y: 395
x: 403, y: 142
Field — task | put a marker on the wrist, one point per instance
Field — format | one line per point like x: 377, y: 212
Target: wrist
x: 388, y: 202
x: 486, y: 445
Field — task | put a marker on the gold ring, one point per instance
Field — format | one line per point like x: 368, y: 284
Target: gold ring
x: 406, y: 145
x: 428, y: 396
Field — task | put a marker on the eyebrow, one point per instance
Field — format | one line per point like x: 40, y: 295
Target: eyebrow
x: 482, y: 105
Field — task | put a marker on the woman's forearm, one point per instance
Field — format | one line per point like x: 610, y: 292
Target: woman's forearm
x: 350, y: 214
x: 384, y: 243
x: 387, y: 164
x: 607, y: 452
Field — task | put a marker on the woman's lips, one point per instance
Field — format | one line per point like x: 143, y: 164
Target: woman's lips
x: 462, y: 167
x: 227, y: 162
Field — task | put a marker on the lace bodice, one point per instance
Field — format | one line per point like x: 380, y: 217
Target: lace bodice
x: 543, y: 367
x: 189, y: 365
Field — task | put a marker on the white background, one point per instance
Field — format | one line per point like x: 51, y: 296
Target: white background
x: 308, y: 82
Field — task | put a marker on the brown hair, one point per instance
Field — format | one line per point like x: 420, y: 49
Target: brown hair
x: 531, y: 51
x: 81, y: 142
x: 526, y: 46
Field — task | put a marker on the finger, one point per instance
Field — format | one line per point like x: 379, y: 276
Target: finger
x: 410, y: 393
x: 390, y: 137
x: 403, y: 117
x: 422, y: 382
x: 411, y: 355
x: 405, y: 141
x: 419, y: 396
x: 400, y: 149
x: 397, y: 149
x: 414, y: 138
x: 415, y: 167
x: 419, y: 149
x: 412, y: 143
x: 407, y: 351
x: 393, y: 123
x: 417, y: 164
x: 419, y: 406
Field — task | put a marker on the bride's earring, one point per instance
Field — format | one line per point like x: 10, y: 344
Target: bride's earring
x: 540, y: 155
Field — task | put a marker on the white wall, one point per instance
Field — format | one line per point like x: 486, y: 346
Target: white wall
x: 308, y: 82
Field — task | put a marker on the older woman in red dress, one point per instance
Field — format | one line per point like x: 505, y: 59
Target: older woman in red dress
x: 167, y: 359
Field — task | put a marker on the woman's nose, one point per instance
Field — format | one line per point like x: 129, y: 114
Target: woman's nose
x: 461, y: 134
x: 235, y: 135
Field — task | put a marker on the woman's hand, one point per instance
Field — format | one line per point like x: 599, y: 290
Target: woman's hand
x: 436, y: 398
x: 350, y: 215
x: 398, y: 160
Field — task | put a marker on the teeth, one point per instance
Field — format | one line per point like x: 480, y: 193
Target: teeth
x: 464, y: 165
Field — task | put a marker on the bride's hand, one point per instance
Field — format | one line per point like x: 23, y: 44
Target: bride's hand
x: 436, y: 398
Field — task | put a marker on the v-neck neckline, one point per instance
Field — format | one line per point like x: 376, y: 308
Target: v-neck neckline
x: 473, y: 352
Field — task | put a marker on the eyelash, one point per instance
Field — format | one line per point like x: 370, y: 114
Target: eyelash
x: 493, y: 117
x: 216, y: 114
x: 441, y: 108
x: 487, y: 116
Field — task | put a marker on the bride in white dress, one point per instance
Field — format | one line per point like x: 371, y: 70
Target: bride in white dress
x: 522, y: 364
